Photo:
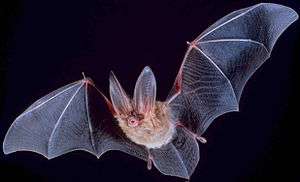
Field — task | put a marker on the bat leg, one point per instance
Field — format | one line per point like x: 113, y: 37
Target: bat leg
x: 200, y: 138
x: 149, y: 161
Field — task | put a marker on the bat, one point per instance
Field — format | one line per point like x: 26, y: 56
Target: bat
x: 210, y: 81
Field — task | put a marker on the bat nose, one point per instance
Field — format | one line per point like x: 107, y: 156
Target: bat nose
x: 133, y: 122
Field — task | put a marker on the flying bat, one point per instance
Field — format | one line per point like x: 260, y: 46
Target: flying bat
x: 210, y: 81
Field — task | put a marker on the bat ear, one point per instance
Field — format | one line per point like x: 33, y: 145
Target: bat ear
x: 145, y: 91
x: 119, y: 98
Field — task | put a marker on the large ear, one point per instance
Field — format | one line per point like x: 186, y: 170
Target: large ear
x: 119, y: 98
x: 145, y: 91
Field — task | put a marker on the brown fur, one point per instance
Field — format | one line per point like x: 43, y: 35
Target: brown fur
x: 155, y: 130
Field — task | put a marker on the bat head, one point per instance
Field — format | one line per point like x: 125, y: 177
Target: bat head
x: 144, y: 97
x: 144, y: 120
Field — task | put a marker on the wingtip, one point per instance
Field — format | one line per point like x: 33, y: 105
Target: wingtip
x: 292, y: 11
x: 295, y: 14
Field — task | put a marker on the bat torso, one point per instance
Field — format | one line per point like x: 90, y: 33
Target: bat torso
x: 154, y: 130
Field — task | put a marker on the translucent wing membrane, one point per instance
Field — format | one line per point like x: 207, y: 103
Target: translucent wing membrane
x: 206, y: 92
x: 219, y: 62
x: 73, y: 117
x: 178, y: 158
x: 32, y: 129
x: 145, y: 91
x: 119, y: 98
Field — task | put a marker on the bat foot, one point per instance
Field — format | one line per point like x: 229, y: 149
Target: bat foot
x: 149, y: 163
x: 201, y: 139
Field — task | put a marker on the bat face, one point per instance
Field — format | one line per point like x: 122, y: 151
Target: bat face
x: 153, y: 131
x: 144, y: 120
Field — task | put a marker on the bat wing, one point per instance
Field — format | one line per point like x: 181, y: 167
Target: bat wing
x: 73, y: 117
x: 219, y: 62
x: 179, y: 157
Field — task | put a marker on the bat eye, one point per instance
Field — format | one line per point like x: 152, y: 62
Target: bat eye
x: 140, y: 116
x: 133, y: 122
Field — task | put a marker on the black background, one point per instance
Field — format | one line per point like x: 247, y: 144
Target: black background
x: 47, y: 44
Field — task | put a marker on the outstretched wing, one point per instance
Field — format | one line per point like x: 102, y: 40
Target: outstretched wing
x: 219, y: 62
x: 73, y: 117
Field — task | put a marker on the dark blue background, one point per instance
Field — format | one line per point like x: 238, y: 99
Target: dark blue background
x: 47, y: 44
